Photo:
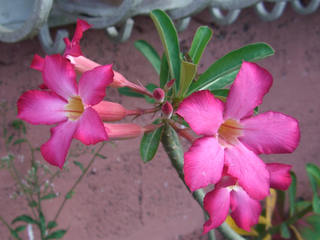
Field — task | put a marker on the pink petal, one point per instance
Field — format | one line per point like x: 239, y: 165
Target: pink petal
x: 90, y: 128
x: 41, y: 107
x: 37, y: 63
x: 203, y: 163
x: 249, y: 169
x: 202, y: 111
x: 73, y: 47
x: 270, y: 132
x: 59, y: 76
x: 247, y: 91
x: 55, y: 150
x: 279, y: 175
x: 93, y: 83
x: 245, y: 210
x: 216, y: 203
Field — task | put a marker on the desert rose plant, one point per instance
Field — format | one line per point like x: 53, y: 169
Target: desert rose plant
x: 216, y: 111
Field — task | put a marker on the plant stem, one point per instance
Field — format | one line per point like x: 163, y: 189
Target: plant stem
x: 84, y: 172
x: 173, y: 148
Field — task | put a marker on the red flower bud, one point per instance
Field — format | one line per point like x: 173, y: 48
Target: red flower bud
x: 167, y: 109
x: 158, y: 95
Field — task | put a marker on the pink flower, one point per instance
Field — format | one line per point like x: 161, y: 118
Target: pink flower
x: 233, y: 136
x: 67, y: 104
x: 245, y: 210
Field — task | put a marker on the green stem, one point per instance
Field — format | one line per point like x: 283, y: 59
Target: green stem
x: 173, y: 148
x: 84, y: 172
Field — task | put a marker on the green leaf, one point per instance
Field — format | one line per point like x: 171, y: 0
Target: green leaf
x: 188, y: 72
x: 101, y: 156
x: 69, y: 195
x: 15, y: 234
x: 52, y: 224
x: 311, y: 231
x: 42, y: 223
x: 79, y: 164
x: 19, y: 125
x: 126, y: 91
x: 284, y: 231
x: 221, y: 92
x: 33, y: 204
x: 292, y: 194
x: 149, y: 144
x: 9, y: 139
x: 313, y: 172
x: 56, y: 235
x: 20, y: 228
x: 24, y: 218
x: 199, y: 43
x: 164, y: 71
x: 150, y: 87
x: 169, y: 39
x: 316, y: 204
x: 19, y: 141
x: 230, y: 63
x: 224, y: 80
x: 150, y: 53
x: 49, y: 196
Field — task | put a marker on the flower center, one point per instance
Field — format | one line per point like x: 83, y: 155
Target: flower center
x: 228, y: 132
x: 74, y: 108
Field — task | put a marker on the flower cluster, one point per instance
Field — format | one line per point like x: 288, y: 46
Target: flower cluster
x: 232, y: 138
x: 77, y: 108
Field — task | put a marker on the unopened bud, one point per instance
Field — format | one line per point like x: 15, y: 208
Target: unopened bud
x: 167, y: 109
x: 170, y: 83
x: 110, y: 111
x: 123, y: 130
x: 158, y: 95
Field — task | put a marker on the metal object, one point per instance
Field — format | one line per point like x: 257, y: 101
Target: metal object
x: 20, y: 19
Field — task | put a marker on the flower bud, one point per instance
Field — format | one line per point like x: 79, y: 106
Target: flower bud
x: 110, y: 111
x: 167, y: 109
x: 170, y: 83
x: 158, y: 95
x: 123, y: 130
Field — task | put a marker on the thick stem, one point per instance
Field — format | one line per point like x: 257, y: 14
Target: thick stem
x: 84, y: 172
x: 173, y: 148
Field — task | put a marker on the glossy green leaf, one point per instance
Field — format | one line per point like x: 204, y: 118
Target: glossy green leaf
x: 49, y: 196
x: 221, y: 92
x: 169, y: 39
x: 126, y: 91
x: 149, y: 144
x: 188, y: 72
x: 199, y: 43
x: 15, y: 234
x: 230, y: 63
x: 24, y: 218
x: 284, y: 231
x: 164, y: 71
x: 52, y: 224
x: 316, y: 204
x: 150, y: 53
x: 56, y: 235
x: 292, y: 194
x: 313, y: 172
x: 79, y: 164
x: 224, y: 80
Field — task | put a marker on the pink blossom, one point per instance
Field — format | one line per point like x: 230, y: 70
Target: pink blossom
x: 233, y: 137
x: 67, y: 104
x: 245, y: 210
